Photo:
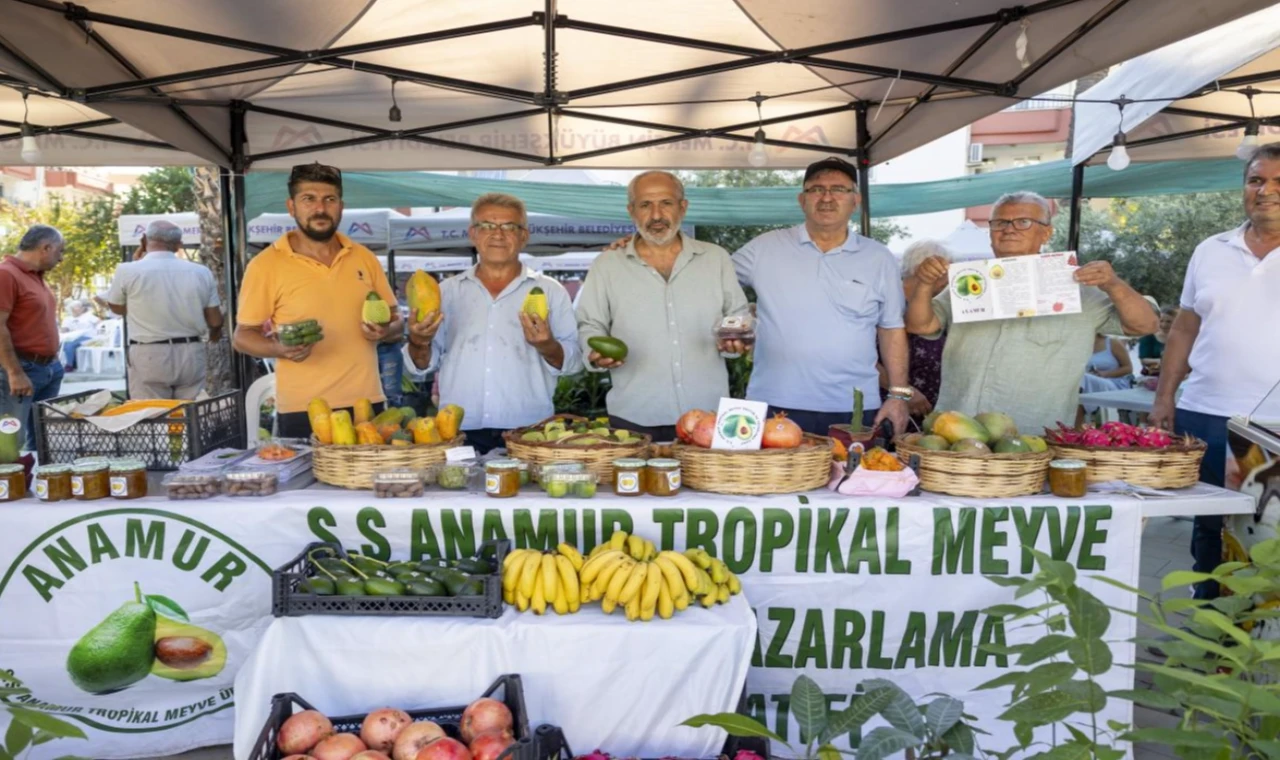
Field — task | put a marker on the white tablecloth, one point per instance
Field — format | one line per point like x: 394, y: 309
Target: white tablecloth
x: 623, y: 687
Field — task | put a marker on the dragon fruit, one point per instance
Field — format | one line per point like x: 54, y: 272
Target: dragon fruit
x: 1114, y: 435
x: 1092, y: 436
x: 1154, y: 438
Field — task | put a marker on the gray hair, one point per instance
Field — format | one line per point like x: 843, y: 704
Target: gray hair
x: 1024, y: 196
x: 38, y: 235
x: 501, y: 200
x: 920, y: 250
x: 1265, y: 152
x: 164, y: 232
x: 631, y: 186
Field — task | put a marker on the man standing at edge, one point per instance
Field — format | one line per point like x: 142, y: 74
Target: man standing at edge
x: 825, y: 296
x: 315, y: 272
x: 29, y: 327
x: 1230, y: 303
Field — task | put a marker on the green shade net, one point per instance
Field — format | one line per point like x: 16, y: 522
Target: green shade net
x: 266, y: 192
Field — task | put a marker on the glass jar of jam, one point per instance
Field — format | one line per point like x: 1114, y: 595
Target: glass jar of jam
x: 1068, y: 478
x: 128, y: 478
x: 13, y: 482
x: 628, y: 477
x: 502, y: 478
x: 52, y: 482
x: 662, y: 477
x: 89, y: 480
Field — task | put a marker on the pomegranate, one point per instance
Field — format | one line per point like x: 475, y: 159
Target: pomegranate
x: 302, y: 731
x: 297, y: 757
x: 371, y: 754
x: 781, y: 433
x: 338, y: 747
x: 382, y: 726
x: 482, y: 716
x: 687, y: 422
x: 413, y: 738
x: 704, y: 432
x: 444, y: 749
x: 489, y: 745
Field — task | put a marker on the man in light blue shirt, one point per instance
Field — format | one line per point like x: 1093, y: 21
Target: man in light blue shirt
x: 825, y: 298
x: 496, y: 362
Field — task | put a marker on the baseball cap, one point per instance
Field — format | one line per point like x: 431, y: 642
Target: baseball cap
x: 832, y: 163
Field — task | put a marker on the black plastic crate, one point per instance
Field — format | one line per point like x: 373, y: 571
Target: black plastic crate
x: 163, y: 443
x: 288, y: 601
x: 553, y: 746
x: 448, y: 718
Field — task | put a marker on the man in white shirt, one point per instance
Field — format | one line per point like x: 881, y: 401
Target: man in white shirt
x: 168, y: 303
x: 1229, y: 304
x: 79, y: 326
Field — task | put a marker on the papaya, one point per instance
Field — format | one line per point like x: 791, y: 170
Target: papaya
x: 424, y: 430
x: 367, y: 434
x: 449, y: 421
x: 375, y: 310
x: 402, y: 438
x: 387, y: 422
x: 927, y: 425
x: 344, y: 432
x: 955, y: 426
x: 362, y: 411
x: 423, y: 294
x: 10, y: 427
x: 535, y: 303
x: 933, y: 443
x: 608, y: 347
x: 318, y: 413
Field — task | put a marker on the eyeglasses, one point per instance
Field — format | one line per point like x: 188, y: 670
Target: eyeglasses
x: 817, y: 191
x: 1021, y: 223
x: 489, y: 228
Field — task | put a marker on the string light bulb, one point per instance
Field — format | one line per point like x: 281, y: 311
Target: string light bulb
x: 1249, y: 143
x: 394, y: 114
x: 30, y: 148
x: 758, y: 156
x: 1119, y: 158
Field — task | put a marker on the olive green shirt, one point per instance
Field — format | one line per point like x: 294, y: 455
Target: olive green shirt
x: 1028, y: 368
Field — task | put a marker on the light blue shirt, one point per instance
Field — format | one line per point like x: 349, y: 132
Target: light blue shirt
x: 816, y: 318
x: 486, y: 366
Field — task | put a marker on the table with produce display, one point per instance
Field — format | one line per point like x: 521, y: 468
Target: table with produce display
x: 133, y: 617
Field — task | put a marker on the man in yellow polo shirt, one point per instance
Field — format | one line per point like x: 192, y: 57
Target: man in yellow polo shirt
x: 315, y: 272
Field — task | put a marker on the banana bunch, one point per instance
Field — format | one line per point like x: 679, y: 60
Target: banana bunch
x: 716, y: 583
x: 537, y: 580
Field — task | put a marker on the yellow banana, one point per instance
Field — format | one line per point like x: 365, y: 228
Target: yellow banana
x: 633, y: 609
x: 511, y: 576
x: 532, y: 561
x: 560, y: 602
x: 652, y: 582
x: 606, y: 574
x: 619, y: 580
x: 568, y: 582
x: 650, y: 551
x: 511, y: 558
x: 635, y: 583
x: 646, y: 613
x: 681, y: 602
x: 549, y: 576
x: 538, y: 602
x: 571, y: 553
x: 618, y: 540
x: 722, y: 593
x: 705, y: 586
x: 509, y: 595
x: 598, y: 548
x: 666, y: 607
x: 735, y: 585
x: 686, y: 567
x: 522, y: 601
x: 607, y: 605
x: 592, y: 567
x: 719, y: 571
x: 699, y: 557
x: 707, y: 601
x: 635, y: 547
x: 670, y: 572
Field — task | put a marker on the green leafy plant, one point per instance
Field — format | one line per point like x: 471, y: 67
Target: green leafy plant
x: 936, y: 729
x: 582, y: 394
x: 30, y: 728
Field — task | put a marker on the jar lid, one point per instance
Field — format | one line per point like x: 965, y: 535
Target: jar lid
x: 93, y: 465
x: 664, y: 464
x: 127, y: 465
x: 502, y: 464
x: 629, y: 463
x: 9, y: 469
x: 1068, y: 464
x: 92, y: 460
x: 51, y: 469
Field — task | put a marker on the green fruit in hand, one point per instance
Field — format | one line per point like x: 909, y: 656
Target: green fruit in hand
x: 117, y: 652
x: 186, y: 652
x: 376, y: 310
x: 609, y: 348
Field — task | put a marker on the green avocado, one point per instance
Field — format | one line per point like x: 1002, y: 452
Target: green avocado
x: 117, y: 652
x: 608, y: 347
x: 425, y: 587
x: 186, y: 652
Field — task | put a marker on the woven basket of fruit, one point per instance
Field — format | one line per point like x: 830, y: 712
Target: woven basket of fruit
x: 790, y: 461
x: 1143, y: 456
x: 570, y: 438
x: 982, y: 456
x: 347, y: 453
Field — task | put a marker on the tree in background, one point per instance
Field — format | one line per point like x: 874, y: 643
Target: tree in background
x: 89, y: 228
x: 167, y: 190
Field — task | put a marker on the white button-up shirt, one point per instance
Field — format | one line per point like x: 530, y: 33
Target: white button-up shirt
x: 1234, y: 364
x: 165, y: 296
x: 486, y: 366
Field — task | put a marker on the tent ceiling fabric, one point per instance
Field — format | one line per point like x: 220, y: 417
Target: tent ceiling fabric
x: 664, y: 83
x: 1213, y: 68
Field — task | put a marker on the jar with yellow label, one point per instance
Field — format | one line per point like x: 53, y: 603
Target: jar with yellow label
x: 89, y: 480
x: 502, y: 478
x: 662, y: 477
x: 52, y: 482
x: 128, y: 478
x: 628, y: 477
x: 13, y: 482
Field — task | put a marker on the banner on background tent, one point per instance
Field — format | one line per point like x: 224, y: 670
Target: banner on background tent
x: 131, y: 227
x: 368, y: 227
x: 449, y: 230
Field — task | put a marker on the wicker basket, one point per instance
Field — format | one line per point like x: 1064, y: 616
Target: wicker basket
x: 354, y: 466
x: 961, y: 473
x: 767, y: 471
x: 598, y: 457
x: 1172, y: 467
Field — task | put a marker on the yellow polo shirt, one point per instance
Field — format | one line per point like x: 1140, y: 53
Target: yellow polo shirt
x: 283, y: 286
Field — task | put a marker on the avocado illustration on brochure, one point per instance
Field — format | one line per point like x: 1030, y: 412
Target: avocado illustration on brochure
x: 148, y: 635
x: 1013, y: 287
x: 738, y: 424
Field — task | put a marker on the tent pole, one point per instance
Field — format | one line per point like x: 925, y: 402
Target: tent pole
x: 864, y: 166
x: 1077, y: 193
x: 233, y: 197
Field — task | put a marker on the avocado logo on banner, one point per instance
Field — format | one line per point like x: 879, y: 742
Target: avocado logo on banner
x: 140, y: 612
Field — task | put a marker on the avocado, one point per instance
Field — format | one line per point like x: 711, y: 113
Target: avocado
x: 350, y: 587
x: 186, y: 652
x: 933, y: 443
x: 117, y: 652
x: 318, y: 585
x: 1011, y: 445
x: 473, y: 566
x: 383, y: 587
x: 608, y: 347
x: 743, y: 429
x: 425, y: 587
x: 452, y: 579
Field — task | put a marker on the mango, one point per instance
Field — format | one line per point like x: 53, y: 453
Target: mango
x: 1011, y: 445
x: 927, y: 424
x: 955, y: 427
x: 933, y: 443
x: 608, y: 347
x: 117, y: 652
x: 1035, y: 443
x: 423, y: 295
x: 998, y: 424
x: 375, y: 310
x: 971, y: 446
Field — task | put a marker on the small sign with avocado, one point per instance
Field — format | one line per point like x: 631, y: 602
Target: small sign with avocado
x: 739, y: 424
x: 1013, y: 287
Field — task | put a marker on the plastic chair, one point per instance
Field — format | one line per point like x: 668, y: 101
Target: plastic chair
x: 112, y: 348
x: 261, y: 388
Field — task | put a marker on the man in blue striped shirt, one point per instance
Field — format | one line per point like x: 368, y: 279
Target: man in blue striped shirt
x: 496, y: 362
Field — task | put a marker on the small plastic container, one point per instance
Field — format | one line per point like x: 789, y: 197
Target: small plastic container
x: 250, y: 481
x: 128, y: 479
x: 187, y: 486
x: 90, y: 480
x: 1068, y: 478
x: 502, y: 478
x: 573, y: 485
x: 458, y: 476
x: 662, y: 477
x: 51, y: 482
x: 398, y: 483
x: 524, y: 471
x: 568, y: 466
x: 13, y: 482
x: 628, y: 477
x: 740, y: 328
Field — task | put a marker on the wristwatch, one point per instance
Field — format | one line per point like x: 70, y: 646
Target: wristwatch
x: 901, y: 393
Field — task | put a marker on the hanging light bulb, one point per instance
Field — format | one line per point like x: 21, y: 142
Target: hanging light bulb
x: 1249, y: 143
x: 30, y: 148
x: 758, y: 156
x: 1119, y: 158
x: 394, y: 114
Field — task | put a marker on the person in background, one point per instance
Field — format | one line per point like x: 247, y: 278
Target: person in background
x: 168, y: 303
x: 662, y: 295
x: 29, y: 327
x: 316, y: 272
x: 78, y: 327
x: 925, y: 355
x: 1229, y: 307
x: 498, y: 363
x: 1151, y: 347
x: 826, y: 298
x: 1108, y: 369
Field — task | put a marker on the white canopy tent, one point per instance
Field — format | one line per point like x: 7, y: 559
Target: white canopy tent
x: 130, y: 227
x: 370, y: 227
x: 447, y: 230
